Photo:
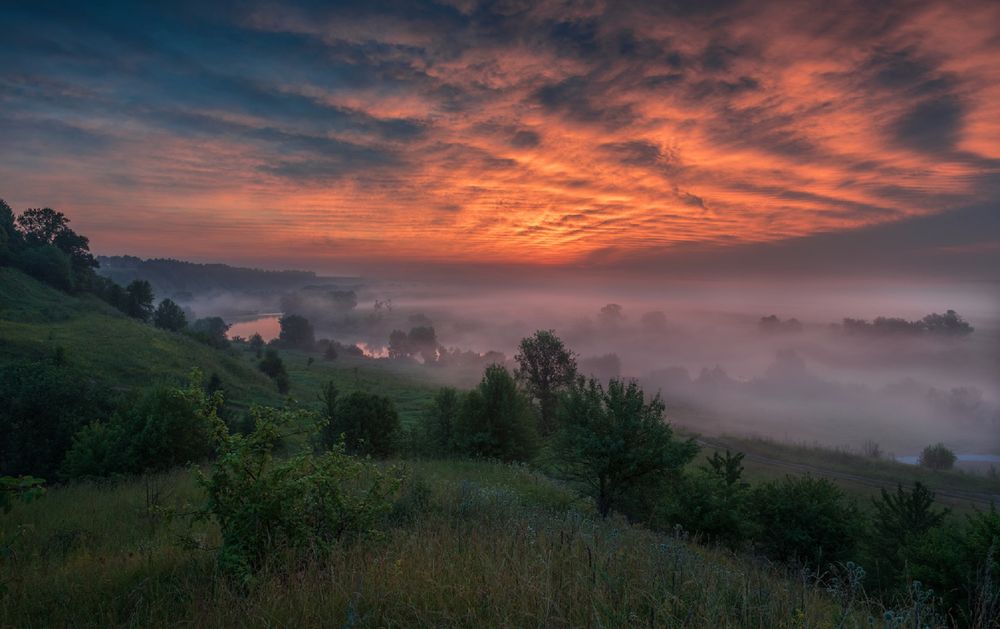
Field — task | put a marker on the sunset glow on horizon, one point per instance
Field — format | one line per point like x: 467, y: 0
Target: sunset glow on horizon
x: 532, y: 133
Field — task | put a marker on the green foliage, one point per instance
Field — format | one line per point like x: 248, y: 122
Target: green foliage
x: 162, y: 428
x: 169, y: 316
x: 711, y: 502
x: 496, y: 420
x: 274, y: 367
x: 434, y: 434
x: 48, y: 264
x: 547, y: 368
x: 937, y: 457
x: 211, y: 331
x: 804, y: 519
x: 613, y: 443
x: 304, y: 504
x: 900, y: 521
x: 328, y: 435
x: 296, y: 333
x: 139, y: 300
x: 368, y: 423
x: 41, y: 407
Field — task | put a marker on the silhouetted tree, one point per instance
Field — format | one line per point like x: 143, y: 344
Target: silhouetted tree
x: 45, y: 226
x: 612, y: 442
x: 296, y: 332
x: 937, y: 457
x: 423, y: 340
x: 211, y: 331
x: 399, y: 344
x: 274, y: 367
x: 256, y: 343
x: 169, y: 316
x: 368, y: 422
x: 546, y: 368
x: 139, y: 299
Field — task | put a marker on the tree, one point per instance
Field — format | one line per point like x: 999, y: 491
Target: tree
x: 612, y: 442
x: 169, y: 316
x: 211, y: 331
x: 47, y: 264
x: 274, y: 367
x: 937, y: 457
x: 804, y: 519
x: 139, y: 300
x: 328, y: 436
x: 296, y: 332
x: 948, y: 324
x: 546, y: 368
x: 45, y: 226
x: 899, y: 522
x: 496, y: 420
x: 423, y: 340
x: 257, y: 344
x: 399, y: 344
x: 437, y: 424
x: 9, y: 235
x: 368, y: 422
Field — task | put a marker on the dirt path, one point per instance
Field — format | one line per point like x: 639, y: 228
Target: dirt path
x: 980, y: 498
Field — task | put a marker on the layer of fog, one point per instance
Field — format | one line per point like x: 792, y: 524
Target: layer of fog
x: 702, y: 345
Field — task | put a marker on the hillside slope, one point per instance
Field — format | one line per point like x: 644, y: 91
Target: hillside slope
x: 36, y: 319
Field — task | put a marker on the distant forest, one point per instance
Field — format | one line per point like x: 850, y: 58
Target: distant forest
x: 176, y: 277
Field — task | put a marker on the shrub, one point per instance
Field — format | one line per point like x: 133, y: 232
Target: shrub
x: 47, y: 264
x: 613, y: 443
x: 900, y: 521
x: 496, y: 420
x: 937, y: 457
x: 41, y: 407
x: 302, y: 504
x: 435, y: 431
x: 368, y: 423
x: 274, y: 367
x: 210, y: 331
x: 804, y: 519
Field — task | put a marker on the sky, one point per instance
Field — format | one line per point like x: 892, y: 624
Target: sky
x: 649, y: 137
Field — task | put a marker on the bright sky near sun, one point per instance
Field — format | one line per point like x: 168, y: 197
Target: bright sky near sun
x: 539, y: 132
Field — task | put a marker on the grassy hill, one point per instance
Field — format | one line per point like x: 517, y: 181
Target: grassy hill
x: 35, y: 319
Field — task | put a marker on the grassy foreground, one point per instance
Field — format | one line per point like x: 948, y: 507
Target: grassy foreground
x: 468, y: 544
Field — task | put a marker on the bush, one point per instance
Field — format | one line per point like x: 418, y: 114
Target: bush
x: 41, y: 407
x: 496, y: 420
x: 303, y: 504
x: 274, y: 367
x: 210, y: 331
x: 805, y: 520
x: 613, y: 443
x: 711, y: 502
x: 367, y: 422
x: 162, y: 428
x: 937, y: 457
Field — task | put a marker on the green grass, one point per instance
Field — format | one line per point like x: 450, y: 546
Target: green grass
x: 496, y: 546
x: 108, y: 346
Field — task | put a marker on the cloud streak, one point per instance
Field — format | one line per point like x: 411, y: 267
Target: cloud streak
x: 546, y: 133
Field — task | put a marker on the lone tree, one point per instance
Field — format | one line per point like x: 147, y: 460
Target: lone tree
x: 937, y: 457
x: 612, y: 442
x: 296, y: 332
x: 139, y: 300
x: 547, y: 369
x: 274, y: 367
x: 368, y: 422
x: 169, y: 316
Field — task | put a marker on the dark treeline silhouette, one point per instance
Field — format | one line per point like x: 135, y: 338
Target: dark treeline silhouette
x: 177, y: 277
x: 948, y: 324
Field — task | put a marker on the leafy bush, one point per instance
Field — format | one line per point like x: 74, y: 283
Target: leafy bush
x: 368, y: 423
x: 274, y: 367
x: 613, y: 443
x: 711, y: 502
x: 937, y: 457
x: 162, y: 428
x: 48, y: 264
x: 804, y: 519
x: 496, y: 420
x: 303, y: 504
x: 41, y: 407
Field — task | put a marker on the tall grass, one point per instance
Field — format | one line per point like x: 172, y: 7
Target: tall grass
x: 468, y: 544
